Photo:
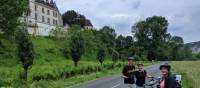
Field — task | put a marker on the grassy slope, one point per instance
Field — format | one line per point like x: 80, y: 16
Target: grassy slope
x: 190, y: 71
x: 49, y: 62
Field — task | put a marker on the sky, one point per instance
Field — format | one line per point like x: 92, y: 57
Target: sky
x: 183, y: 15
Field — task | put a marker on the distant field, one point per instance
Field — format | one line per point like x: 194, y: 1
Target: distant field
x: 190, y: 71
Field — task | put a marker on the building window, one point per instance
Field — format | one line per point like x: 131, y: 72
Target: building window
x: 42, y: 10
x: 56, y: 22
x: 29, y: 13
x: 48, y: 12
x: 36, y: 7
x: 36, y: 16
x: 54, y: 14
x: 43, y: 19
x: 48, y: 20
x: 53, y: 22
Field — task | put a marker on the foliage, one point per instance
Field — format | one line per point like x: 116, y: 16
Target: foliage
x: 101, y: 55
x: 198, y: 55
x: 129, y: 41
x: 177, y: 45
x: 73, y: 18
x: 91, y: 41
x: 151, y: 34
x: 58, y: 33
x: 187, y: 52
x: 77, y: 46
x: 25, y: 51
x: 107, y: 36
x: 49, y: 64
x: 154, y: 42
x: 115, y: 56
x: 9, y: 13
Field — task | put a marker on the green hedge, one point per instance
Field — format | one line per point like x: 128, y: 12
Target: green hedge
x: 9, y: 76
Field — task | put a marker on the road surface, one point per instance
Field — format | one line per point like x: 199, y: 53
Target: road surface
x: 116, y: 81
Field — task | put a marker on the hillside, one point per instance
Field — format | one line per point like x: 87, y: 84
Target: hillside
x: 194, y: 46
x: 50, y: 63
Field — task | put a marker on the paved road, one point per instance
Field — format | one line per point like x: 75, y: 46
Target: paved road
x: 116, y: 81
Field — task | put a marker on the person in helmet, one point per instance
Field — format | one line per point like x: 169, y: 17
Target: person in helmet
x: 168, y: 80
x: 128, y: 73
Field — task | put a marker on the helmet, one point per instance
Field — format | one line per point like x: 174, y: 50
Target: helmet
x: 131, y: 58
x: 168, y: 67
x: 140, y: 64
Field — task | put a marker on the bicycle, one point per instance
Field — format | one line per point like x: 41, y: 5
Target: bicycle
x: 153, y: 83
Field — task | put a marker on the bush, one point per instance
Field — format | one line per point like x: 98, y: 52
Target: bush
x: 58, y: 33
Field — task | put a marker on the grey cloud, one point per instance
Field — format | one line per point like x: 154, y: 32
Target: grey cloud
x: 183, y: 15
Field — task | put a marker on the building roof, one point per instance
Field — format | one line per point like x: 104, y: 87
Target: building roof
x: 88, y: 23
x: 50, y: 3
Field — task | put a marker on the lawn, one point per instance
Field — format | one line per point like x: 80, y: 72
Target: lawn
x: 190, y: 71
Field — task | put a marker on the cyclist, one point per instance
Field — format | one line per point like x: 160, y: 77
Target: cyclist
x: 128, y: 73
x: 168, y: 80
x: 140, y: 75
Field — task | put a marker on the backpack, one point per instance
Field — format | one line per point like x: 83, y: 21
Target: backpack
x: 177, y: 79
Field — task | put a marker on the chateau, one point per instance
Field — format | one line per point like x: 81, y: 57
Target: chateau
x: 44, y: 16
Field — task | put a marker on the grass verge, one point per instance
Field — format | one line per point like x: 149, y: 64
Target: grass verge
x: 190, y: 72
x: 78, y: 79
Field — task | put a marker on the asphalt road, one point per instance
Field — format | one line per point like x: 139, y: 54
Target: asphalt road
x: 116, y: 81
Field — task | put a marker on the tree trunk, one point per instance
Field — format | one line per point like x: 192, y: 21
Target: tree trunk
x: 25, y: 74
x: 76, y: 63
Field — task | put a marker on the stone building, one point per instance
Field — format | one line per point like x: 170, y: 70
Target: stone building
x: 44, y: 16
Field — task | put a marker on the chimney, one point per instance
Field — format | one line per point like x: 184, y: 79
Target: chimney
x: 51, y: 2
x: 47, y: 1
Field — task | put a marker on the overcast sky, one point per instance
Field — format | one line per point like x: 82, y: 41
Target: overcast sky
x: 183, y: 15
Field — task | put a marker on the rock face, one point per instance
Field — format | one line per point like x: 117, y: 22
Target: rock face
x: 194, y: 46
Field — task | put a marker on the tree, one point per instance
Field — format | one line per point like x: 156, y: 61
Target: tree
x: 101, y: 55
x: 177, y: 45
x: 120, y: 42
x: 73, y: 18
x: 188, y: 52
x: 151, y: 35
x: 108, y: 37
x: 120, y: 46
x: 177, y: 40
x: 115, y: 56
x: 10, y: 12
x: 129, y: 41
x: 91, y: 42
x: 76, y: 44
x: 25, y: 51
x: 69, y: 17
x: 124, y: 46
x: 198, y: 55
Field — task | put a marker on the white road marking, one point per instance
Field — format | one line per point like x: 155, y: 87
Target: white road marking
x: 115, y: 86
